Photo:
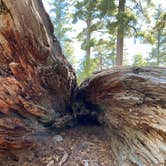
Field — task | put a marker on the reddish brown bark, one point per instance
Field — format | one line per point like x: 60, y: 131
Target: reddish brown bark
x: 37, y: 84
x: 36, y: 81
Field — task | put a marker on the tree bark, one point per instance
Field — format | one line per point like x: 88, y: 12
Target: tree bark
x: 36, y: 81
x: 37, y: 86
x: 131, y: 103
x: 120, y: 34
x: 88, y: 49
x: 158, y: 47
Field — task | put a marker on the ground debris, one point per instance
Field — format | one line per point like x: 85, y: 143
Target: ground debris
x: 58, y: 138
x: 64, y: 158
x: 51, y: 163
x: 79, y: 146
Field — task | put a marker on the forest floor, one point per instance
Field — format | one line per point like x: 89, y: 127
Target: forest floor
x: 78, y: 146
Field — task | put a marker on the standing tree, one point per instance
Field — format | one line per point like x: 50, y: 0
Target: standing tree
x: 104, y: 51
x: 37, y: 86
x: 99, y: 52
x: 61, y: 17
x: 120, y: 33
x: 158, y: 54
x: 122, y: 21
x: 85, y: 10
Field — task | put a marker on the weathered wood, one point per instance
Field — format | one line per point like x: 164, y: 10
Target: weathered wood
x: 37, y: 84
x: 131, y: 102
x: 36, y: 81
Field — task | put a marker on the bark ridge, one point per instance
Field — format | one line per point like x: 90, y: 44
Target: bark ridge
x: 132, y: 103
x: 36, y: 81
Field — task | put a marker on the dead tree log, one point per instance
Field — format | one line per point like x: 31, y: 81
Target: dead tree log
x: 131, y: 102
x: 36, y: 81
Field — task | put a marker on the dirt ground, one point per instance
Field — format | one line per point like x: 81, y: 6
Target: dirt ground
x: 79, y: 146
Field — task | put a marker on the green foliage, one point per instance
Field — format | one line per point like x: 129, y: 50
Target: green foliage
x: 158, y: 53
x: 104, y: 50
x: 106, y: 7
x: 146, y: 37
x: 83, y: 73
x: 161, y: 17
x: 125, y: 23
x: 86, y: 11
x: 139, y: 60
x: 69, y: 52
x: 102, y: 20
x: 61, y: 19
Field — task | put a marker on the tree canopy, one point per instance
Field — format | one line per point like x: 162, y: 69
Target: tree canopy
x: 104, y: 25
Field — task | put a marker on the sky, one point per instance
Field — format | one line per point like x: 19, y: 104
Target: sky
x: 133, y: 47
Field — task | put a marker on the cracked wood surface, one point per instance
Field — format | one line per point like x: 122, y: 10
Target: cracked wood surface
x: 36, y: 81
x: 132, y: 104
x: 37, y: 84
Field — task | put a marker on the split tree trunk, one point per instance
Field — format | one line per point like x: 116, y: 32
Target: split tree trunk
x: 131, y: 102
x: 36, y: 81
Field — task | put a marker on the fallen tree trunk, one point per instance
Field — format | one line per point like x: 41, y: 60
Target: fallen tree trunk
x: 37, y: 85
x: 36, y: 81
x: 131, y: 102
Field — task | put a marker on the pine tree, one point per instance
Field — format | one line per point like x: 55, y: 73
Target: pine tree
x: 61, y: 18
x: 138, y: 60
x: 104, y: 51
x: 158, y: 54
x: 123, y: 21
x: 85, y: 10
x: 120, y: 32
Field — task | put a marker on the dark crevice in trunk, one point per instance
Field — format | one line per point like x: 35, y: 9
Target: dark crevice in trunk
x: 87, y: 120
x: 85, y: 112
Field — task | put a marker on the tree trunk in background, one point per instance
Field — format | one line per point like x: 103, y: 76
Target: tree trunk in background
x: 88, y: 49
x: 36, y: 81
x: 120, y: 34
x: 158, y: 47
x: 37, y: 86
x: 100, y: 61
x: 131, y: 103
